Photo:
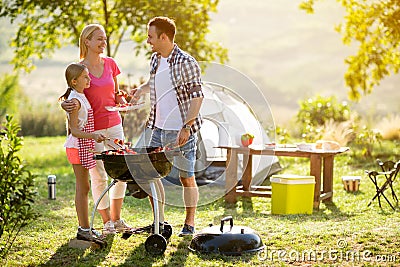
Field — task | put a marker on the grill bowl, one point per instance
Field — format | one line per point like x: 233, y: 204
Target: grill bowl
x: 141, y: 167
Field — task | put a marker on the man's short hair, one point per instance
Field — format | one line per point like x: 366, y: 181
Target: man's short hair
x: 163, y: 25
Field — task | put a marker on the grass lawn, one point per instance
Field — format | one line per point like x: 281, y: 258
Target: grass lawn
x: 343, y: 233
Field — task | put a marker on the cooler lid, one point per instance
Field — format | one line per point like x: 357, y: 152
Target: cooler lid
x: 292, y: 179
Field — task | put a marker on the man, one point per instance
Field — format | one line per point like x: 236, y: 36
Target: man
x: 176, y: 97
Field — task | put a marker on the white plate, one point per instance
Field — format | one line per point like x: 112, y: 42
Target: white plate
x: 306, y: 146
x: 270, y: 146
x: 318, y: 150
x: 327, y: 150
x: 127, y: 108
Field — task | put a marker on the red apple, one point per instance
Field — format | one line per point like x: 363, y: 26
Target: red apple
x: 247, y: 139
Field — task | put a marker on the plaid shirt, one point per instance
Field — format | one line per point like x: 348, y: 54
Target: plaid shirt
x: 185, y: 77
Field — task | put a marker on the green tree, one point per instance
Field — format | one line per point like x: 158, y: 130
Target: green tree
x: 375, y: 26
x: 44, y: 25
x: 10, y: 92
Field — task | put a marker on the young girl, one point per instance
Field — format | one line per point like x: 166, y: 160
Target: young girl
x: 80, y: 144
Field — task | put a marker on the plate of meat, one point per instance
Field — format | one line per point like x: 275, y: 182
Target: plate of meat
x: 125, y: 107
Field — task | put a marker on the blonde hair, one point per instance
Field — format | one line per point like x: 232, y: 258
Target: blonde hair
x: 87, y: 34
x: 72, y: 72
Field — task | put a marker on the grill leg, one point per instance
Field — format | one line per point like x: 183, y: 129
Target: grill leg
x: 156, y: 207
x: 114, y: 181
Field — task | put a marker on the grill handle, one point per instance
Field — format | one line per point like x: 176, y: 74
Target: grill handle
x: 98, y: 157
x: 223, y: 220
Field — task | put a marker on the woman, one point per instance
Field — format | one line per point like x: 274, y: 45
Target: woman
x: 102, y: 92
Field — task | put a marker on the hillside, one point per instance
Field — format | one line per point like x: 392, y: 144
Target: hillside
x: 286, y: 53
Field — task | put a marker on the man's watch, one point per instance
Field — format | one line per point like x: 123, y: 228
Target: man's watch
x: 186, y: 127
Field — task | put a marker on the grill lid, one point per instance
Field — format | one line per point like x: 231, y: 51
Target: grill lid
x: 226, y: 239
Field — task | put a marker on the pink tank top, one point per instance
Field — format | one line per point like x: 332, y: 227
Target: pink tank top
x: 101, y: 93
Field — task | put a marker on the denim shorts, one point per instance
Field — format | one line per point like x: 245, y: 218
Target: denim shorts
x: 185, y: 163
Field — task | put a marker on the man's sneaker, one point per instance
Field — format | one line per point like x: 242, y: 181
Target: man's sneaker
x: 85, y: 234
x: 121, y: 226
x: 109, y: 228
x: 187, y: 230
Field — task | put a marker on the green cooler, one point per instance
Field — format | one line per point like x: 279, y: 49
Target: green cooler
x: 292, y: 194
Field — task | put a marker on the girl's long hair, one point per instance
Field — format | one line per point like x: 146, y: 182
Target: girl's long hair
x: 72, y: 72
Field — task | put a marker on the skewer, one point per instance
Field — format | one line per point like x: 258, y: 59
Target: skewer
x: 94, y: 151
x: 113, y: 141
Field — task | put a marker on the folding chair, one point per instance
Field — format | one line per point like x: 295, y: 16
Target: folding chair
x: 386, y: 167
x: 390, y: 171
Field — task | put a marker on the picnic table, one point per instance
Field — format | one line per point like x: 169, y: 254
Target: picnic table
x: 321, y: 167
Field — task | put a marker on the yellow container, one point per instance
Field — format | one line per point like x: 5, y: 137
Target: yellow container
x: 292, y: 194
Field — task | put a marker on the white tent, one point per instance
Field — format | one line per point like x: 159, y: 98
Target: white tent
x: 226, y: 117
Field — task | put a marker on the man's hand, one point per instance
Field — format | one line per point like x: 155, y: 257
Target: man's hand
x: 142, y: 89
x: 183, y: 137
x: 135, y: 94
x: 69, y: 106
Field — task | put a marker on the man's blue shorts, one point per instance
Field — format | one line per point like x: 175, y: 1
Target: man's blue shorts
x: 185, y: 163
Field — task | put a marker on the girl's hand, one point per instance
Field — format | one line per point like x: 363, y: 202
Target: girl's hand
x: 99, y: 138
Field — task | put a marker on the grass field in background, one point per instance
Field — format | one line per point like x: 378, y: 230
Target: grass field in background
x: 343, y: 228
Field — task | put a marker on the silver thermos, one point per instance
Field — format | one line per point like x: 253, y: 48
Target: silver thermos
x: 51, y: 183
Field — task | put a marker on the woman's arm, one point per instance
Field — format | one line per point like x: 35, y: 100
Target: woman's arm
x: 73, y: 124
x: 119, y: 98
x: 69, y: 106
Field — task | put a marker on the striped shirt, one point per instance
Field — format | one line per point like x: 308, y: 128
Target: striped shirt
x: 185, y: 75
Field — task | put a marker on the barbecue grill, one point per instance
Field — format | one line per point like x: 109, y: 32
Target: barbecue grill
x: 139, y: 170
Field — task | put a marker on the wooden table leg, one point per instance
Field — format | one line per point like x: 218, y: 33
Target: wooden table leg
x: 328, y: 177
x: 247, y: 173
x: 231, y: 176
x: 315, y: 170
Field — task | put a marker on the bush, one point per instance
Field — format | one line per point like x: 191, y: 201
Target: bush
x: 341, y: 132
x: 42, y: 120
x: 16, y: 187
x: 389, y: 127
x: 365, y: 140
x: 10, y: 92
x: 314, y: 113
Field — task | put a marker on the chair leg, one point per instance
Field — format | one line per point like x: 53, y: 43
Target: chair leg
x: 394, y: 196
x: 379, y: 190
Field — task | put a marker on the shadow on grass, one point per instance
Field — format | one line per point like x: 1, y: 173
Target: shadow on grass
x: 140, y: 257
x: 247, y: 211
x: 179, y: 258
x: 67, y: 256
